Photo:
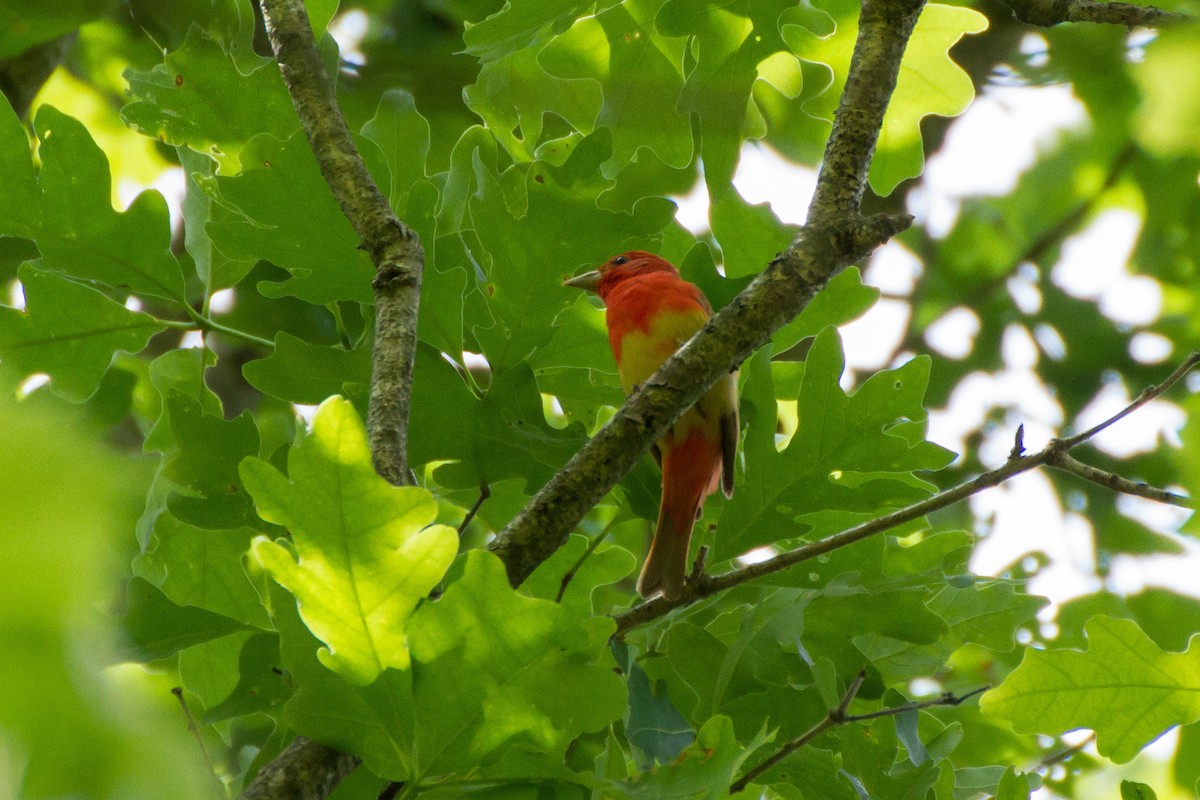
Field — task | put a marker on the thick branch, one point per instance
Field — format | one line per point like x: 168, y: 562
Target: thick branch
x: 393, y: 246
x: 884, y: 28
x: 834, y: 237
x: 747, y: 323
x: 1046, y: 13
x: 706, y: 586
x: 305, y: 770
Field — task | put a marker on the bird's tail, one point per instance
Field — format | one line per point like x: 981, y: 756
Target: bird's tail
x: 690, y: 473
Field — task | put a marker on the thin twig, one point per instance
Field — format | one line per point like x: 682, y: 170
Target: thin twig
x: 830, y: 720
x: 838, y: 716
x: 195, y: 731
x: 945, y: 699
x: 569, y: 575
x: 1064, y: 754
x: 1065, y: 462
x: 710, y: 585
x: 485, y: 492
x: 1148, y: 394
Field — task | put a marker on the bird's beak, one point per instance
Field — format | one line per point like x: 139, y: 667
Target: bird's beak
x: 588, y: 280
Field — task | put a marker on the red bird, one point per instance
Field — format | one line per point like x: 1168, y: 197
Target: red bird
x: 651, y: 313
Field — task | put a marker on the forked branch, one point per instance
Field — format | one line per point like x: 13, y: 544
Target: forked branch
x: 838, y: 716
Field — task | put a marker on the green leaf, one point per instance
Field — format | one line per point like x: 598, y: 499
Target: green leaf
x: 365, y: 552
x: 1169, y: 79
x: 215, y: 269
x: 1132, y: 790
x: 262, y: 686
x: 732, y: 39
x: 749, y: 235
x: 374, y: 722
x: 70, y: 332
x: 640, y: 76
x: 605, y: 565
x: 21, y: 200
x: 521, y: 23
x: 514, y: 93
x: 69, y: 502
x: 843, y: 299
x: 656, y: 730
x: 204, y: 468
x: 485, y: 659
x: 181, y: 370
x: 202, y: 568
x: 158, y: 628
x: 504, y: 435
x: 704, y: 770
x: 402, y: 134
x: 988, y: 612
x: 929, y: 83
x: 297, y: 371
x: 849, y: 453
x: 21, y: 27
x: 1013, y: 786
x: 209, y: 670
x: 311, y: 239
x: 200, y: 99
x: 526, y: 248
x: 1123, y: 687
x: 82, y: 235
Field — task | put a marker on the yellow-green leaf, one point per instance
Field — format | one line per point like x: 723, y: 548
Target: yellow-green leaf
x: 363, y: 552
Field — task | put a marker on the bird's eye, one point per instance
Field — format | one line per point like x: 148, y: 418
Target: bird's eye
x: 619, y: 260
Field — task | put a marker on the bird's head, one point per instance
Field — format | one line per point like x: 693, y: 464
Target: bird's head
x: 619, y: 269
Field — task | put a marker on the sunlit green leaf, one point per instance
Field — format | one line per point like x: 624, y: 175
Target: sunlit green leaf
x: 364, y: 551
x: 486, y: 657
x: 929, y: 83
x: 199, y: 98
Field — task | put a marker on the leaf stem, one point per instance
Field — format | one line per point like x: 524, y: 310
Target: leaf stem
x: 208, y: 324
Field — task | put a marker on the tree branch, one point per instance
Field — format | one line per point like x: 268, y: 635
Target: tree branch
x: 838, y: 716
x: 834, y: 237
x: 884, y: 27
x: 774, y: 298
x: 1065, y: 462
x: 308, y: 769
x: 393, y: 246
x: 706, y: 586
x: 305, y: 770
x: 1046, y: 13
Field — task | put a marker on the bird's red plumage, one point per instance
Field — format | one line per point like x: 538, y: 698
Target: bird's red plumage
x: 651, y: 312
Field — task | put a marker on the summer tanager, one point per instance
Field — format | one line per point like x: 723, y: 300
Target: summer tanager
x: 651, y: 313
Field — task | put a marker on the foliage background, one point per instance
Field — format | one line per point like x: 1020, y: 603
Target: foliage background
x: 525, y: 141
